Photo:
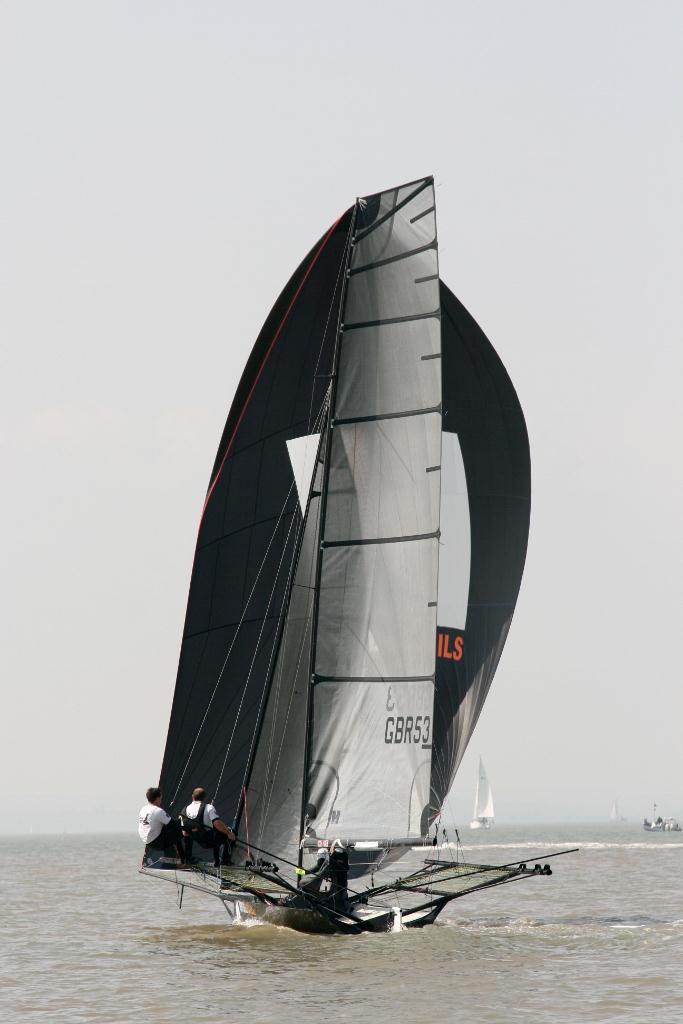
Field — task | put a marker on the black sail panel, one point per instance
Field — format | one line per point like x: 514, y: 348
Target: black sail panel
x: 248, y: 537
x: 485, y: 503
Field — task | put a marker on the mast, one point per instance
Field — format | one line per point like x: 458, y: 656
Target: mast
x: 326, y: 448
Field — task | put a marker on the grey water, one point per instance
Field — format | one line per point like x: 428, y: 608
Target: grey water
x: 85, y: 938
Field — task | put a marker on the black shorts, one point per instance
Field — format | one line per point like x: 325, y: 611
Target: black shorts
x: 171, y: 834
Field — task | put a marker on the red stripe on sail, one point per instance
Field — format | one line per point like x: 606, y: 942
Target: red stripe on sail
x: 261, y: 368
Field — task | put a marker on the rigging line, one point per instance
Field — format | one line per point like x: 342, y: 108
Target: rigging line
x: 242, y: 619
x: 254, y: 656
x: 271, y: 740
x: 276, y: 647
x: 234, y: 639
x: 246, y: 819
x: 256, y: 648
x: 284, y: 731
x: 279, y: 671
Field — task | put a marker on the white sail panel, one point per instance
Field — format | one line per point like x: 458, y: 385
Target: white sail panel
x: 413, y: 226
x: 273, y: 798
x: 389, y: 790
x: 403, y: 454
x: 302, y: 454
x: 407, y: 287
x: 377, y: 614
x: 377, y: 378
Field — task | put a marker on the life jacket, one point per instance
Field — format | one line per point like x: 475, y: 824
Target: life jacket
x: 195, y: 826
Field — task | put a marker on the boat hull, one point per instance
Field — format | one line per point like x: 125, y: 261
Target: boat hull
x: 302, y: 919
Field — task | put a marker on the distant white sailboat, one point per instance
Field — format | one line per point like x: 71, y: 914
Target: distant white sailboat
x: 615, y: 816
x: 483, y: 801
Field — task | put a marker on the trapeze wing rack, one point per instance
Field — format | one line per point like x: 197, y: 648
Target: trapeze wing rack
x: 451, y: 879
x: 522, y: 860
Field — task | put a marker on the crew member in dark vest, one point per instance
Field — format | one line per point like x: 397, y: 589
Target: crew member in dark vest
x: 332, y: 866
x: 339, y: 877
x: 157, y: 829
x: 202, y: 824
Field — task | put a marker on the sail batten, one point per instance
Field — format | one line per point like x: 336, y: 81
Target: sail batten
x: 397, y: 257
x: 390, y: 320
x: 317, y: 680
x: 388, y: 415
x: 403, y: 539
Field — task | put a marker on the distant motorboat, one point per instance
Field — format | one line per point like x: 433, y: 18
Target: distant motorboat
x: 660, y: 824
x: 615, y: 816
x: 483, y: 801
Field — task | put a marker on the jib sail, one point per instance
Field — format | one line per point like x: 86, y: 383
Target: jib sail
x: 273, y: 792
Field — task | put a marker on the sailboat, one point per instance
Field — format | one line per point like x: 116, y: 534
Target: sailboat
x: 483, y: 801
x: 359, y: 556
x: 615, y: 816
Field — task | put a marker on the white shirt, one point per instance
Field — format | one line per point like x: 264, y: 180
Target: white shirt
x: 210, y: 812
x: 151, y: 821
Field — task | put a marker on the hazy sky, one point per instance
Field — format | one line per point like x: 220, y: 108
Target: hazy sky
x: 164, y: 168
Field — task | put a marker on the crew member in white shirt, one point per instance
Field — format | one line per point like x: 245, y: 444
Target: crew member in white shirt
x: 156, y: 828
x: 202, y: 822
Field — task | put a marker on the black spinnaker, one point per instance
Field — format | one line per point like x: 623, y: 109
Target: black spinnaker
x: 485, y: 505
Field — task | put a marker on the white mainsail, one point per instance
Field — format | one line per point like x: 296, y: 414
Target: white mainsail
x: 483, y: 800
x: 374, y: 652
